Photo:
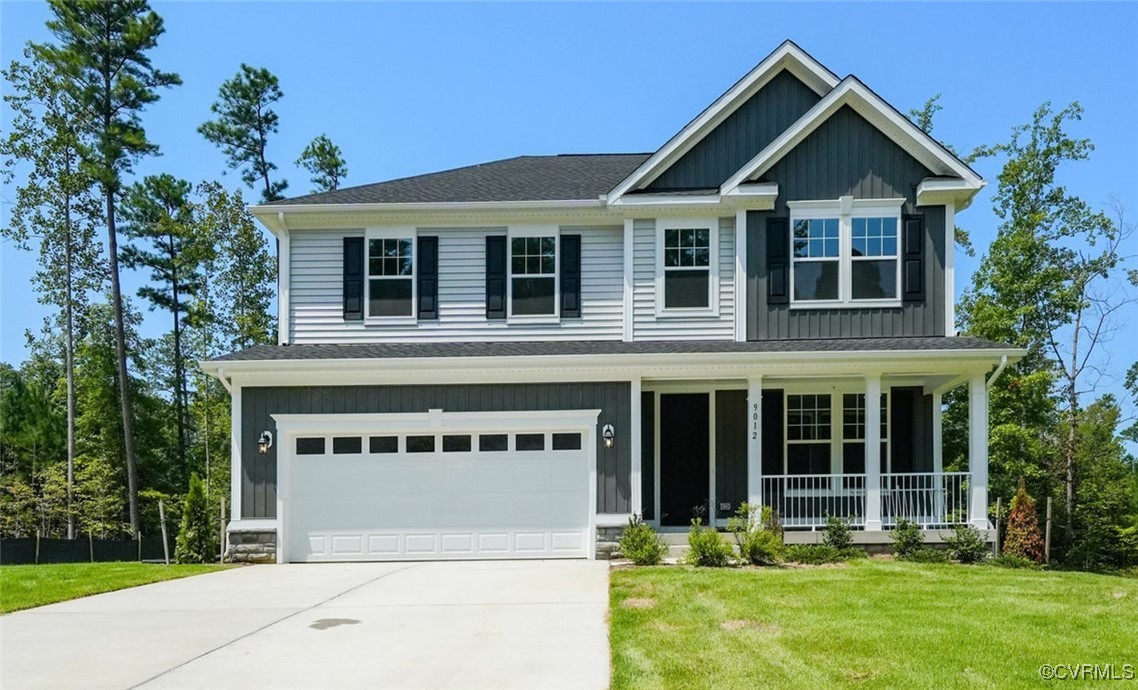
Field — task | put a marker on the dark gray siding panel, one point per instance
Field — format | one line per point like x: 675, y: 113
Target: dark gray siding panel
x: 648, y: 455
x: 730, y: 450
x: 741, y: 136
x: 259, y: 472
x: 846, y: 156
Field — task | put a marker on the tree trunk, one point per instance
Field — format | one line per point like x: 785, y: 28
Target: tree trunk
x: 69, y: 315
x: 124, y: 373
x: 179, y: 368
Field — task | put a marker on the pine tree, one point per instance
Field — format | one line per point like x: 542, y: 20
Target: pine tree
x: 325, y: 161
x: 195, y: 536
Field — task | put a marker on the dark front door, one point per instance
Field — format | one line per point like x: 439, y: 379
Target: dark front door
x: 684, y: 438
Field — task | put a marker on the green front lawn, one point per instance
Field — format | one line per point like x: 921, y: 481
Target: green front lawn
x: 871, y: 623
x: 25, y: 586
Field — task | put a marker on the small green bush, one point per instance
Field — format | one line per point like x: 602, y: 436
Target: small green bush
x: 837, y: 532
x: 927, y: 554
x: 907, y: 538
x: 640, y: 543
x: 195, y: 542
x: 966, y: 545
x: 707, y: 547
x: 817, y: 554
x: 1011, y: 560
x: 757, y: 544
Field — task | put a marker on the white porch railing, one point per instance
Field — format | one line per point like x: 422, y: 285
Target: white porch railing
x: 930, y: 499
x: 805, y: 500
x: 926, y: 498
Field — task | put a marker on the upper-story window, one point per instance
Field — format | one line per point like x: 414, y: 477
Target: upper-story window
x: 533, y: 272
x: 845, y: 252
x: 390, y: 273
x: 686, y: 268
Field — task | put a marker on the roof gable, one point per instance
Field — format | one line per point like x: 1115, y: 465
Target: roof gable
x: 787, y: 56
x: 857, y: 96
x: 744, y: 133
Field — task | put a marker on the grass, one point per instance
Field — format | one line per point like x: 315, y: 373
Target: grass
x: 26, y: 586
x: 870, y: 624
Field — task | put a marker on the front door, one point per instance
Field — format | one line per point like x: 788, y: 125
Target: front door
x: 684, y: 459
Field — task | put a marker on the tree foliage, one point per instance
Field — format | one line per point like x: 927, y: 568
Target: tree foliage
x: 195, y: 543
x: 325, y: 161
x: 1022, y: 538
x: 245, y: 120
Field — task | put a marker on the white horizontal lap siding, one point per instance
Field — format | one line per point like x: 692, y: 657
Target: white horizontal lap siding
x: 316, y: 305
x: 646, y: 325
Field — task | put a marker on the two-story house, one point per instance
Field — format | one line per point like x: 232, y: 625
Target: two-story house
x: 508, y: 360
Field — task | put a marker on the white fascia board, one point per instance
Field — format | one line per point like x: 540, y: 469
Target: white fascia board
x: 787, y: 56
x: 655, y: 200
x: 936, y: 191
x: 436, y: 421
x: 274, y: 217
x: 869, y: 105
x: 604, y: 367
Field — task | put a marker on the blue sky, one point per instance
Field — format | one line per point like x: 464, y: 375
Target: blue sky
x: 411, y: 88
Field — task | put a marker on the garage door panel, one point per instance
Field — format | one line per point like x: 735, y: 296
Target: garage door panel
x: 442, y: 505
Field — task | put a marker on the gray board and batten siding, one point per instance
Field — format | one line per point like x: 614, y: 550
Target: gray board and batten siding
x: 847, y: 155
x: 259, y: 472
x: 756, y: 123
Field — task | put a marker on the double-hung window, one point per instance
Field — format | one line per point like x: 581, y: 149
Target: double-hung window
x: 808, y: 433
x: 686, y: 267
x: 391, y: 273
x: 853, y: 433
x: 845, y: 253
x: 533, y: 272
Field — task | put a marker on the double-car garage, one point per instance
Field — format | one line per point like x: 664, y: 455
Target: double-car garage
x: 436, y: 485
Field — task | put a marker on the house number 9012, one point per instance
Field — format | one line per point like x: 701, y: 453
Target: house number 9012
x: 754, y: 421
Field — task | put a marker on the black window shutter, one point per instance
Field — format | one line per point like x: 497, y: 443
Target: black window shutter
x: 912, y: 259
x: 570, y: 276
x: 495, y: 276
x: 427, y: 276
x: 353, y: 278
x: 778, y: 261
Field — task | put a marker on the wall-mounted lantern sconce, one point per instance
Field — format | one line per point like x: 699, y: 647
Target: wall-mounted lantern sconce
x: 608, y: 435
x: 265, y: 442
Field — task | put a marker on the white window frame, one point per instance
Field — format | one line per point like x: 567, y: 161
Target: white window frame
x: 845, y: 209
x: 712, y: 226
x: 392, y: 233
x: 837, y: 440
x: 519, y: 231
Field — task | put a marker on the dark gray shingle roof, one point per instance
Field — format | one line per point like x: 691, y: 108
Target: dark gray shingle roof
x: 525, y: 178
x: 603, y: 347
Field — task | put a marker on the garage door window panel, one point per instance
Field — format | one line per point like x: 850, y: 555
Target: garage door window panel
x: 420, y: 444
x: 456, y: 443
x: 347, y: 445
x: 383, y: 444
x: 529, y: 442
x: 310, y: 445
x: 488, y: 443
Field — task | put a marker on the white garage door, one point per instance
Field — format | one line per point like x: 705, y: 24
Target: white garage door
x: 451, y: 494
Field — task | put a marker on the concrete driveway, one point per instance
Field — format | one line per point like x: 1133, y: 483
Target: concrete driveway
x: 500, y: 624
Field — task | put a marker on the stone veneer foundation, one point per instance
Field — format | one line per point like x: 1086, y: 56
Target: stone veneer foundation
x: 252, y: 546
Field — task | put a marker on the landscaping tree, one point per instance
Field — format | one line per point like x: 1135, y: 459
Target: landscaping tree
x: 56, y: 204
x: 1022, y: 537
x: 325, y: 161
x: 245, y: 119
x: 195, y: 536
x: 159, y: 212
x: 1104, y: 493
x: 1038, y: 285
x: 102, y: 55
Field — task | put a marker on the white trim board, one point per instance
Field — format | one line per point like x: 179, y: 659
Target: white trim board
x: 787, y: 56
x: 873, y: 108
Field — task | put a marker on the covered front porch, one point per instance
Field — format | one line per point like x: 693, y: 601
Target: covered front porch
x: 867, y: 448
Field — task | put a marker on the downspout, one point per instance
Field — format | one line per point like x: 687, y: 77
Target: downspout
x: 996, y: 374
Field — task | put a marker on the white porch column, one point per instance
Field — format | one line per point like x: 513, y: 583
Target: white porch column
x: 636, y: 506
x: 872, y: 452
x: 755, y: 440
x: 978, y: 451
x: 938, y: 457
x: 235, y: 469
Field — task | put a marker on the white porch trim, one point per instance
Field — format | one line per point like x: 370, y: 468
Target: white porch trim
x: 978, y: 450
x: 872, y: 452
x: 635, y: 441
x: 755, y: 440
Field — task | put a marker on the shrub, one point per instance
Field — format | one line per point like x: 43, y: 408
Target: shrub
x: 817, y: 554
x: 967, y: 545
x: 1009, y: 560
x: 640, y: 543
x: 770, y: 521
x: 837, y: 532
x: 757, y: 544
x: 927, y: 554
x: 907, y: 538
x: 708, y: 548
x: 195, y: 536
x: 1022, y: 537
